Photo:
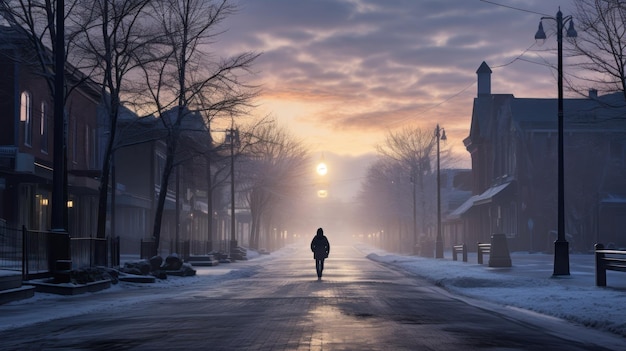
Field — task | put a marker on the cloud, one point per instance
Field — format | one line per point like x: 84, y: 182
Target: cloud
x: 341, y: 70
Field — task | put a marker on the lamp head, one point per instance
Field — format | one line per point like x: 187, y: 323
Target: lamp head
x: 540, y: 36
x: 571, y: 32
x: 443, y: 135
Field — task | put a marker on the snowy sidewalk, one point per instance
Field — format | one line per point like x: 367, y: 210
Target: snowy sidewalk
x: 45, y: 307
x: 528, y: 285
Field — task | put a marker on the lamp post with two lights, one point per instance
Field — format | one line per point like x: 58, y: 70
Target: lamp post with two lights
x: 561, y: 246
x: 440, y: 134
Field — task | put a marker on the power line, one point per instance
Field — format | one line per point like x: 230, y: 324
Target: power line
x: 434, y: 106
x: 513, y: 8
x: 517, y: 58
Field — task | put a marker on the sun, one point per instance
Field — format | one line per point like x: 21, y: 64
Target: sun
x: 322, y: 169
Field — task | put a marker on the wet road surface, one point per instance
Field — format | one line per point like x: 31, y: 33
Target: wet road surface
x: 358, y: 305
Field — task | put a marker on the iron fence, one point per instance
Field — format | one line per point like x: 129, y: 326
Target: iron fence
x: 10, y: 248
x: 36, y: 253
x: 29, y: 251
x: 88, y: 252
x: 199, y: 247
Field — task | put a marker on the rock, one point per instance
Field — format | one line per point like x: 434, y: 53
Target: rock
x: 90, y: 275
x: 172, y: 262
x: 113, y: 274
x: 155, y: 263
x: 188, y: 270
x: 138, y: 268
x: 159, y: 274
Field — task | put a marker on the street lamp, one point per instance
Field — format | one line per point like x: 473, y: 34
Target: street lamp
x: 561, y: 246
x: 232, y: 136
x: 415, y: 239
x: 322, y: 170
x: 440, y: 133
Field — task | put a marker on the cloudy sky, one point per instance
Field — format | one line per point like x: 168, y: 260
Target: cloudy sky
x: 342, y: 73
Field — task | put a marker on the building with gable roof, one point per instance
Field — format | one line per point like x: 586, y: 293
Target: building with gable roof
x: 513, y: 147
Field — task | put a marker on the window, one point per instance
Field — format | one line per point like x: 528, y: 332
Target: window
x: 74, y: 140
x: 86, y: 147
x: 26, y: 117
x: 90, y: 147
x: 94, y: 149
x: 160, y: 166
x: 43, y: 132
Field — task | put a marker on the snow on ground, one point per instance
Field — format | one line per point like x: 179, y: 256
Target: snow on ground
x: 44, y: 307
x: 527, y: 285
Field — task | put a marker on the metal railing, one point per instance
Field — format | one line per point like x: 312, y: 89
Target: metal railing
x: 36, y: 253
x: 10, y: 248
x: 28, y: 251
x: 88, y: 252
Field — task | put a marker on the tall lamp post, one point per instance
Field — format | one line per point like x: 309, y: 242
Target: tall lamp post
x: 561, y: 246
x: 440, y: 133
x: 413, y: 181
x: 233, y: 137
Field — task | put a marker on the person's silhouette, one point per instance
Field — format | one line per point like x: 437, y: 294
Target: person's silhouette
x: 320, y: 248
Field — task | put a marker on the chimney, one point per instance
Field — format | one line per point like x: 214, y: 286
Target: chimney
x: 593, y: 93
x: 484, y: 79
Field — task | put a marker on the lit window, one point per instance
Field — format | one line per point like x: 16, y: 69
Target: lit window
x: 44, y: 127
x: 26, y: 117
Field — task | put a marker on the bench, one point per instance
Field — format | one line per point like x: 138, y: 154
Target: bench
x: 613, y: 260
x: 459, y: 249
x: 482, y: 249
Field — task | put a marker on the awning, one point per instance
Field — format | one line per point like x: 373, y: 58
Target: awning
x: 456, y: 214
x: 488, y: 195
x: 484, y: 198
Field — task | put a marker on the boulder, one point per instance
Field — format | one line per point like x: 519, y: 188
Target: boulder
x: 172, y: 263
x: 188, y: 270
x: 155, y: 263
x: 138, y: 268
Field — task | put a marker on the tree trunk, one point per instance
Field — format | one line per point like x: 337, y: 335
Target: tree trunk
x: 209, y: 203
x: 167, y: 171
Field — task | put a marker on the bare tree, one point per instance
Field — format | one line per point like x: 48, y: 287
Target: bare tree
x: 383, y: 204
x: 181, y: 76
x: 412, y: 149
x: 275, y: 167
x: 110, y: 40
x: 601, y: 42
x: 35, y: 20
x: 411, y: 153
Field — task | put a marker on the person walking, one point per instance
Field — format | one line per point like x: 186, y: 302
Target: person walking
x: 321, y: 248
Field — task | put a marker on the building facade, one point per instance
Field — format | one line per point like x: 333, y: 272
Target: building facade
x: 513, y: 147
x: 26, y: 144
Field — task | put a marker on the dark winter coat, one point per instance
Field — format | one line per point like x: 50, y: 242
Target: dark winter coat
x: 320, y: 247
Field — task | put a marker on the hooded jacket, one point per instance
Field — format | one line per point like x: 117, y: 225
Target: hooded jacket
x: 320, y: 245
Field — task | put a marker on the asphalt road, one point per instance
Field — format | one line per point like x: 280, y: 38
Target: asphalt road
x: 358, y: 305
